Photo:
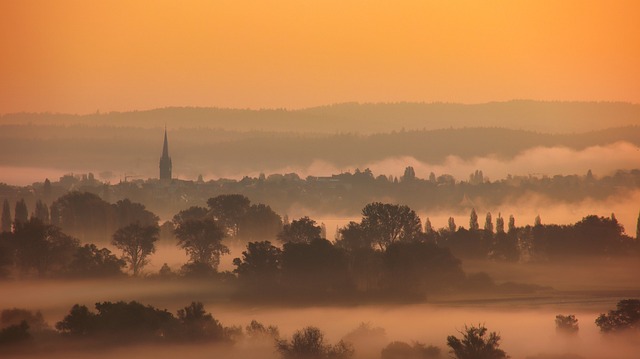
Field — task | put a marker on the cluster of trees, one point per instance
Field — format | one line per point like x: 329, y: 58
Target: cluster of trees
x: 80, y: 214
x: 591, y: 236
x: 344, y: 193
x: 387, y: 254
x: 132, y: 323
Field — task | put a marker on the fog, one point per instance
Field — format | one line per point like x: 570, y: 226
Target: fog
x: 525, y: 324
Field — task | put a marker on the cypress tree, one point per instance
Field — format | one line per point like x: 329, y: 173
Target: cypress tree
x: 5, y: 223
x: 21, y: 212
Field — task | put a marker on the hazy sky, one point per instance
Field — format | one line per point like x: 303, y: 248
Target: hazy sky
x: 82, y: 56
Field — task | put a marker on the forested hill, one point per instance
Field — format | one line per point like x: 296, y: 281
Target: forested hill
x: 548, y: 117
x: 219, y: 153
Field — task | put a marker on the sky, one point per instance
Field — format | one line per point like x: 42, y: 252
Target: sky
x: 87, y: 56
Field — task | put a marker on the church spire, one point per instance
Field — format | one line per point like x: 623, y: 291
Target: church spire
x: 165, y: 160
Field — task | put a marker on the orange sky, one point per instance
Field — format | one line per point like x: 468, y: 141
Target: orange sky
x: 82, y: 56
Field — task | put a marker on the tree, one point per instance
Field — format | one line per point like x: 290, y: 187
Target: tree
x: 352, y: 237
x: 259, y: 222
x: 537, y: 222
x: 637, y: 227
x: 41, y: 212
x: 21, y: 212
x: 202, y: 241
x: 91, y: 262
x: 302, y: 230
x: 309, y: 343
x: 83, y: 215
x: 475, y: 345
x: 566, y: 324
x: 387, y: 223
x: 409, y: 174
x: 626, y: 316
x: 261, y: 261
x: 191, y: 213
x: 500, y: 224
x: 428, y: 228
x: 227, y: 210
x: 451, y: 225
x: 5, y: 222
x: 137, y: 243
x: 43, y: 248
x: 198, y: 325
x: 127, y: 212
x: 488, y: 223
x: 512, y: 224
x: 473, y: 221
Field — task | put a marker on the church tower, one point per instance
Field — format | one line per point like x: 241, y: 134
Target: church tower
x: 165, y: 160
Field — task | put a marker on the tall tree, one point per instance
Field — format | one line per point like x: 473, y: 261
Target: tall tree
x: 21, y: 212
x: 202, y: 241
x: 137, y: 243
x: 473, y: 220
x: 499, y: 224
x: 41, y: 212
x: 451, y: 225
x: 428, y: 228
x: 637, y: 227
x: 388, y: 223
x: 537, y: 222
x: 488, y: 223
x: 5, y: 222
x: 512, y: 224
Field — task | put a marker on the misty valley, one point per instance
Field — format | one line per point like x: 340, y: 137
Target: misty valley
x: 233, y: 278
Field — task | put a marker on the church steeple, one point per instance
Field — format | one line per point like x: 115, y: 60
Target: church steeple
x: 165, y: 160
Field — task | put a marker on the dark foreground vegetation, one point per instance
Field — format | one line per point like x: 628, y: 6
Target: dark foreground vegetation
x: 389, y: 255
x: 114, y: 324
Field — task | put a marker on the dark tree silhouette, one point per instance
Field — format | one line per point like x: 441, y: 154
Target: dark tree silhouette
x: 5, y: 221
x: 260, y: 262
x: 21, y: 212
x: 41, y: 212
x: 259, y: 222
x: 191, y: 213
x: 387, y: 223
x: 137, y: 243
x: 202, y: 240
x: 512, y: 224
x: 488, y: 224
x: 626, y: 316
x: 83, y: 215
x: 428, y: 228
x: 198, y: 325
x: 16, y: 333
x: 228, y: 210
x: 476, y: 345
x: 637, y: 227
x: 302, y: 230
x: 567, y: 324
x: 309, y: 343
x: 500, y: 224
x: 257, y: 331
x: 91, y: 262
x: 353, y: 237
x: 43, y: 248
x: 127, y: 212
x: 473, y: 220
x: 451, y: 225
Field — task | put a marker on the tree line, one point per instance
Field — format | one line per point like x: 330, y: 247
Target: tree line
x: 126, y: 323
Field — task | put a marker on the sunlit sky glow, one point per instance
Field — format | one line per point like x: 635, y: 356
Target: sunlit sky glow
x: 82, y: 56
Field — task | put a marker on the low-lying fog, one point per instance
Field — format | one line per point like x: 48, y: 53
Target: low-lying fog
x: 526, y: 325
